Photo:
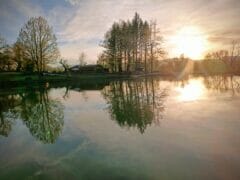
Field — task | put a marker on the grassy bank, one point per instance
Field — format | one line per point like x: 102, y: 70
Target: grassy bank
x: 11, y: 79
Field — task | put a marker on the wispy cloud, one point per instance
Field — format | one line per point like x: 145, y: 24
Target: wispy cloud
x: 13, y: 14
x: 73, y: 2
x: 81, y: 24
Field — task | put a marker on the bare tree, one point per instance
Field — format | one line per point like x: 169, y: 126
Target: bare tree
x: 82, y: 59
x: 229, y: 58
x: 39, y: 43
x: 234, y: 53
x: 64, y: 65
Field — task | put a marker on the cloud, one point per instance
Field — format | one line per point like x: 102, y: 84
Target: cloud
x: 93, y: 18
x: 13, y: 14
x: 73, y: 2
x: 80, y: 25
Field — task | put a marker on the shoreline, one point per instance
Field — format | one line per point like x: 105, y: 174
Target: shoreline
x: 13, y: 79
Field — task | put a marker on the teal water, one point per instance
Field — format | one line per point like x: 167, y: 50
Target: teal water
x: 154, y: 128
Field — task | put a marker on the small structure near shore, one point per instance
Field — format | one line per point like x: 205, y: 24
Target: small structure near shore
x: 91, y: 68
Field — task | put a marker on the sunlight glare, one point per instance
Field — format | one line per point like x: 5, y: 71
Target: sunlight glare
x: 192, y: 91
x: 191, y: 42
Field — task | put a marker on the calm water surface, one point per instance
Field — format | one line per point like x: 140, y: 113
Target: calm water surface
x: 136, y: 129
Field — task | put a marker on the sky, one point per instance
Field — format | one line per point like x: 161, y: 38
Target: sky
x: 80, y: 25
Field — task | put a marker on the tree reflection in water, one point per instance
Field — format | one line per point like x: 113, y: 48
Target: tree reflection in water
x: 132, y: 103
x: 137, y: 103
x: 223, y: 83
x: 8, y: 113
x: 42, y: 115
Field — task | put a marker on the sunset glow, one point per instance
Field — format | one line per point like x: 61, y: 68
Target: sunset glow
x: 188, y: 27
x: 191, y: 42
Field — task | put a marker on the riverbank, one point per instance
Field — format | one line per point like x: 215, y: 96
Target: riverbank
x: 15, y: 79
x: 11, y: 79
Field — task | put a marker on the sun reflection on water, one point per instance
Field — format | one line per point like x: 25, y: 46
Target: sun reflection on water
x: 194, y: 90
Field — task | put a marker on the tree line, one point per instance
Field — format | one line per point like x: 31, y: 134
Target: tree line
x: 35, y: 48
x: 131, y: 46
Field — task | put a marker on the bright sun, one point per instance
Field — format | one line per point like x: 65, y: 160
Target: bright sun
x: 191, y: 42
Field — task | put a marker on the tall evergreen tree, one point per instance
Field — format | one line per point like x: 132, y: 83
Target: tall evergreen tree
x: 131, y: 46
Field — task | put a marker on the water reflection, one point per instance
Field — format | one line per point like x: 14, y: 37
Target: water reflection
x: 190, y: 133
x: 223, y: 83
x: 5, y: 123
x: 197, y: 88
x: 8, y: 113
x: 137, y: 103
x: 131, y: 103
x: 193, y: 90
x: 42, y: 115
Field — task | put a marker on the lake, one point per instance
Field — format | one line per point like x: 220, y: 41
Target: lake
x: 144, y: 128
